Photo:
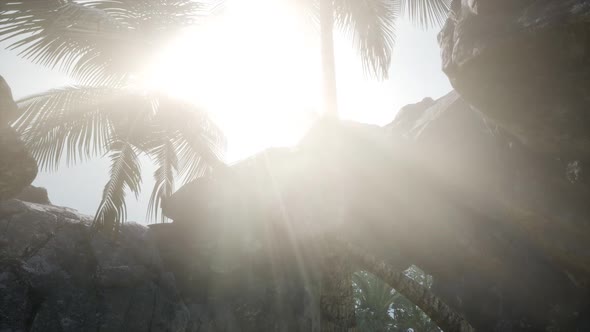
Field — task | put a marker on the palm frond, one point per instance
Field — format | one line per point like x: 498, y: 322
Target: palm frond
x: 100, y: 42
x: 154, y: 14
x: 74, y: 38
x: 71, y: 121
x: 125, y: 176
x: 78, y: 122
x: 198, y: 141
x: 373, y: 293
x: 165, y: 157
x: 371, y: 26
x: 426, y: 13
x: 185, y: 143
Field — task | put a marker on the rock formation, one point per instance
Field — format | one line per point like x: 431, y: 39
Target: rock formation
x: 34, y: 194
x: 57, y: 274
x: 504, y: 232
x: 18, y: 168
x: 485, y: 189
x: 525, y: 64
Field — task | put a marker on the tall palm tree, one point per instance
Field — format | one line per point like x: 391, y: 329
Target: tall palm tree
x: 102, y: 44
x: 371, y: 26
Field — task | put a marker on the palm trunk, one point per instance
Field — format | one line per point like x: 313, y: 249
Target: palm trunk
x: 445, y: 317
x: 336, y: 296
x: 328, y: 61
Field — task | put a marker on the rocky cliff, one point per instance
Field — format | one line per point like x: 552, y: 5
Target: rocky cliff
x: 57, y: 274
x: 525, y: 64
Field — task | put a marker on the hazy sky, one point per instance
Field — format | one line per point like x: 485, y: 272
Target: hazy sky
x: 257, y: 101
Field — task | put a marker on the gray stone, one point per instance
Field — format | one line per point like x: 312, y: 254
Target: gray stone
x: 18, y: 168
x: 34, y: 194
x: 59, y: 275
x: 526, y: 65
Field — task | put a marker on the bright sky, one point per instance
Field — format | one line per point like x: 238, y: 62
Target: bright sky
x: 260, y: 84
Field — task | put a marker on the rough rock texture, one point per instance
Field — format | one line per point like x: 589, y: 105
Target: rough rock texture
x: 34, y: 194
x: 505, y: 232
x: 501, y: 227
x: 525, y: 64
x: 18, y: 168
x: 56, y: 274
x: 8, y: 108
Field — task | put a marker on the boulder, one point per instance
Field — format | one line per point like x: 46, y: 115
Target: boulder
x: 498, y: 225
x: 8, y: 108
x: 58, y: 274
x: 18, y: 168
x: 34, y: 194
x: 526, y: 65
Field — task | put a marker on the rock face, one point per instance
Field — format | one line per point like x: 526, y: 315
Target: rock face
x: 501, y: 227
x: 505, y: 233
x: 525, y: 64
x: 18, y: 168
x: 34, y: 194
x: 56, y: 274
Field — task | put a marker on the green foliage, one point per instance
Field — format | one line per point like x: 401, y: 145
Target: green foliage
x: 381, y: 308
x: 101, y: 44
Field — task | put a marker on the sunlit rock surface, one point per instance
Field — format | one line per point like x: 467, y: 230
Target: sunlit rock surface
x: 501, y: 227
x: 525, y: 64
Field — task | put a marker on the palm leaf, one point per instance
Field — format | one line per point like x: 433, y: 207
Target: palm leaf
x: 72, y: 121
x: 371, y: 26
x: 198, y: 141
x: 74, y: 38
x: 373, y: 293
x: 125, y: 176
x: 165, y: 157
x: 78, y: 122
x: 426, y: 13
x: 97, y: 42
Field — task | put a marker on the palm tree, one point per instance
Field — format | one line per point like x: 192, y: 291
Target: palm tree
x: 102, y: 45
x: 373, y: 302
x: 371, y: 26
x: 414, y: 286
x: 381, y: 308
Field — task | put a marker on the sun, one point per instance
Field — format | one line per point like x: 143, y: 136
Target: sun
x: 257, y: 74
